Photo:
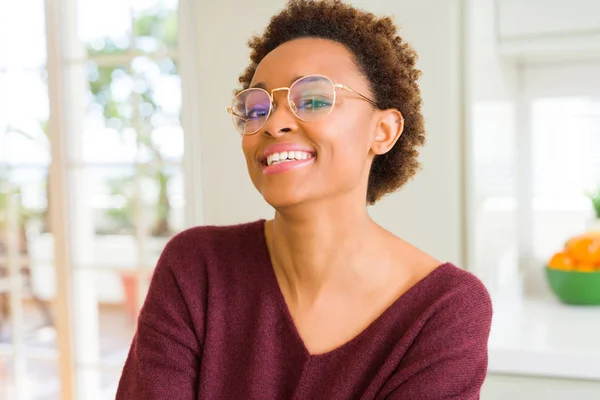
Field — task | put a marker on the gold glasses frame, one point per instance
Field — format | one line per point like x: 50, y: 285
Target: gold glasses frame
x: 290, y: 103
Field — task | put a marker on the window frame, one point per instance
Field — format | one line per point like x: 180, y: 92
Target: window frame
x: 63, y: 46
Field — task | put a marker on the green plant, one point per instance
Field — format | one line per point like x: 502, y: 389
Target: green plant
x: 160, y: 28
x: 122, y: 217
x: 10, y: 191
x: 595, y: 198
x: 40, y: 137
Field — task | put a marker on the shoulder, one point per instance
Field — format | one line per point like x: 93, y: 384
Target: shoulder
x: 456, y: 296
x: 202, y: 257
x: 461, y: 286
x: 211, y: 238
x: 438, y: 283
x: 445, y: 349
x: 196, y: 250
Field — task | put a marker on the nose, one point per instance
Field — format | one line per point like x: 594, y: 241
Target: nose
x: 282, y: 120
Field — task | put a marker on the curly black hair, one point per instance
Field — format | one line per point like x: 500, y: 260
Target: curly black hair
x: 382, y: 56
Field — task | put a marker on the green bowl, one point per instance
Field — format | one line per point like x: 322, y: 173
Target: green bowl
x: 573, y: 287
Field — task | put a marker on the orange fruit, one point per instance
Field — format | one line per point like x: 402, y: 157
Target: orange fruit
x: 584, y: 267
x: 561, y: 261
x: 584, y: 249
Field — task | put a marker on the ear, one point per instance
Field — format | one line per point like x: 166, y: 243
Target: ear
x: 387, y: 131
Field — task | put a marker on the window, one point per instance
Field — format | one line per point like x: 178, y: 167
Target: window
x: 113, y: 94
x: 535, y: 158
x: 565, y: 136
x: 26, y: 318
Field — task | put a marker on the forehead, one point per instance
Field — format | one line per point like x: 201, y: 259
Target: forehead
x: 307, y: 56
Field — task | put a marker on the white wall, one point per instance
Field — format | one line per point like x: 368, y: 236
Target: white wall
x: 549, y: 29
x: 428, y: 211
x: 491, y: 95
x: 518, y: 18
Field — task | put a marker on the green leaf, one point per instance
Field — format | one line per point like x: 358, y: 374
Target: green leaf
x: 594, y: 196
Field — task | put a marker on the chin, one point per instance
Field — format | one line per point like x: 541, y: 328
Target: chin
x: 280, y: 193
x: 279, y: 199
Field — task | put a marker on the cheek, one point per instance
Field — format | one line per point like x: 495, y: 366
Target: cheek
x: 349, y: 138
x: 249, y: 147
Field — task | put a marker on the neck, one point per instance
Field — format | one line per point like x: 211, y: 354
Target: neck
x: 322, y: 245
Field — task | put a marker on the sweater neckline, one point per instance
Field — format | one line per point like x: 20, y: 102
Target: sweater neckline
x: 382, y: 320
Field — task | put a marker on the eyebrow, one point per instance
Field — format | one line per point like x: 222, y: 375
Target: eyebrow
x: 262, y: 85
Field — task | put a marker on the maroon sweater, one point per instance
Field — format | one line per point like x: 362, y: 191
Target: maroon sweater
x: 215, y: 326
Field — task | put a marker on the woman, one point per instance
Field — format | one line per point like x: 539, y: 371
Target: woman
x: 320, y: 302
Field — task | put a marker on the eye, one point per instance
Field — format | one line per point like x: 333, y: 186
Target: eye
x: 257, y: 113
x: 314, y: 103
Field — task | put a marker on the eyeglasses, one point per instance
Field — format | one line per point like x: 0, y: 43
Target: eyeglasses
x: 311, y: 98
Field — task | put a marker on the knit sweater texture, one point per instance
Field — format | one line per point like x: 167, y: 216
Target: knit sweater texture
x: 215, y: 325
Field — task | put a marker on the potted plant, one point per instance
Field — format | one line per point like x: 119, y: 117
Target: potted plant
x: 594, y: 196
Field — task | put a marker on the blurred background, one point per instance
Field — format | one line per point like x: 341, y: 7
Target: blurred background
x: 114, y: 137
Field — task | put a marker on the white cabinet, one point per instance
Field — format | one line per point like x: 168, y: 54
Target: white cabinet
x: 548, y: 28
x: 502, y: 387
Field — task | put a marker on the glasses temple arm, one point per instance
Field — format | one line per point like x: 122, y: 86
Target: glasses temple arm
x: 230, y: 111
x: 344, y: 87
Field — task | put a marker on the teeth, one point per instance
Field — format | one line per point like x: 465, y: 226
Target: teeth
x: 284, y: 156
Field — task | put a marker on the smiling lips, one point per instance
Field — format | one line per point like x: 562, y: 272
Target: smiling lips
x: 285, y: 157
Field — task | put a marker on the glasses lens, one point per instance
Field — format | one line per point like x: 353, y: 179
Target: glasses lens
x: 250, y: 110
x: 312, y: 98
